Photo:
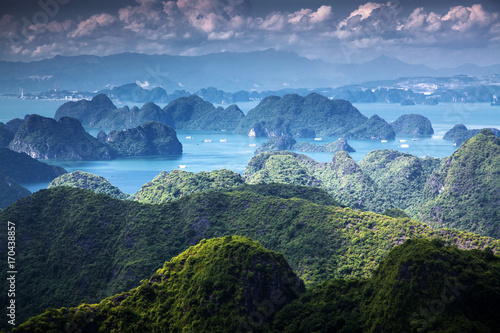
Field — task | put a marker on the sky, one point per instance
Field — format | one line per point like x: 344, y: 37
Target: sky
x: 435, y: 33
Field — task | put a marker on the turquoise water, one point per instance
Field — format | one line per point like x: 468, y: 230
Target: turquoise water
x: 129, y: 174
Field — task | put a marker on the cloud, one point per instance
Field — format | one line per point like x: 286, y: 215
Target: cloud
x: 197, y: 27
x: 85, y: 28
x: 461, y: 25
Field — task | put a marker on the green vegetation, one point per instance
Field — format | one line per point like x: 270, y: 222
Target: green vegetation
x: 45, y: 138
x: 78, y: 245
x: 287, y: 142
x: 214, y: 286
x: 342, y: 178
x: 464, y: 193
x: 374, y: 128
x: 396, y: 213
x: 313, y: 115
x: 459, y: 133
x: 151, y: 138
x: 233, y: 284
x: 89, y: 181
x: 10, y: 191
x: 331, y: 147
x: 286, y: 191
x: 24, y: 169
x: 412, y: 124
x: 284, y: 142
x: 420, y: 286
x: 400, y: 178
x: 194, y: 113
x: 100, y: 112
x: 174, y: 185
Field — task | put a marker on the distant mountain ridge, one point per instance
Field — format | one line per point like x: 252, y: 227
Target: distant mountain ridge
x: 260, y: 70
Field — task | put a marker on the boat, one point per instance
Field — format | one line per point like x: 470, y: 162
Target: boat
x: 402, y: 140
x: 252, y: 145
x: 189, y: 137
x: 383, y: 140
x: 182, y: 166
x: 223, y: 140
x: 415, y: 139
x: 405, y: 146
x: 318, y: 139
x: 207, y: 140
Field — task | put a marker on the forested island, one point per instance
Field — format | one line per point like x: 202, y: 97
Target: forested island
x: 235, y: 238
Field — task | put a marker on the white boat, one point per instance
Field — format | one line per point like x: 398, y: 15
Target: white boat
x: 182, y: 166
x: 318, y: 139
x: 252, y: 145
x: 402, y: 140
x: 207, y: 140
x: 415, y: 139
x: 405, y: 146
x: 189, y: 137
x: 223, y: 140
x: 383, y: 140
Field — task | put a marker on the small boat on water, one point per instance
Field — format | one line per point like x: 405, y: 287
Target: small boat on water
x: 383, y: 141
x: 318, y: 139
x: 252, y: 145
x: 223, y: 140
x: 405, y: 146
x: 207, y: 140
x: 415, y: 139
x: 182, y: 166
x: 402, y: 140
x: 189, y: 137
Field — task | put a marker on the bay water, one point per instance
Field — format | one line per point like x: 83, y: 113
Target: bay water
x: 233, y: 151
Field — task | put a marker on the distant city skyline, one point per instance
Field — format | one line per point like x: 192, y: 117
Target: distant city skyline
x: 435, y: 33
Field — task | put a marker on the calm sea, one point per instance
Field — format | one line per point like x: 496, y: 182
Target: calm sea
x: 129, y: 174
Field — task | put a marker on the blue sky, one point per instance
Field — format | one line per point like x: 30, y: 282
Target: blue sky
x: 435, y: 33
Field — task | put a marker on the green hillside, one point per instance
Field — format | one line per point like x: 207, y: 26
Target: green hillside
x: 23, y: 168
x: 76, y: 245
x: 420, y: 287
x: 342, y: 178
x: 233, y: 284
x: 10, y: 191
x: 171, y: 186
x: 400, y: 178
x: 89, y: 181
x: 465, y: 192
x: 214, y: 286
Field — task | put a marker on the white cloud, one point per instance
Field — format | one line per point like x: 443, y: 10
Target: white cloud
x: 85, y: 28
x: 360, y: 14
x: 194, y: 27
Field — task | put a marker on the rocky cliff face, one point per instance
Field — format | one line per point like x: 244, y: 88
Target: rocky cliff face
x: 301, y: 116
x: 464, y: 193
x: 46, y: 138
x: 412, y: 124
x: 152, y: 138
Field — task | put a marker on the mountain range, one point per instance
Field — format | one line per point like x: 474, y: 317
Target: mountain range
x: 261, y: 70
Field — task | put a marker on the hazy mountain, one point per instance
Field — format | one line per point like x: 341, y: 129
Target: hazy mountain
x: 262, y: 70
